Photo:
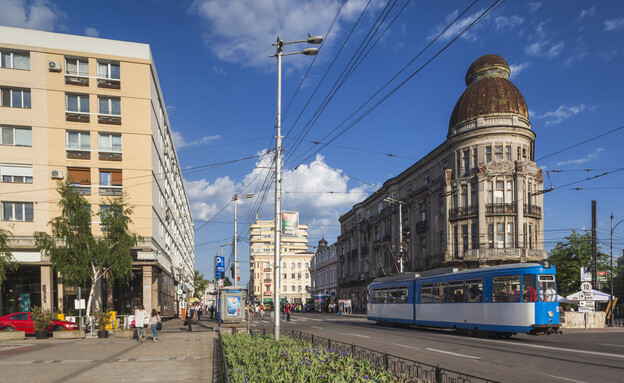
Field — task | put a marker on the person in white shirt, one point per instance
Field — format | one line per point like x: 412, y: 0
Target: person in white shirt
x: 141, y: 319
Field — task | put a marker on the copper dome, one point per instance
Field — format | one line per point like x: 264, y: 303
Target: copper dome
x: 489, y: 92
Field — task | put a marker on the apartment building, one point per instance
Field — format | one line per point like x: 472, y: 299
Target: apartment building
x: 474, y: 201
x: 295, y: 263
x: 324, y: 270
x: 92, y: 111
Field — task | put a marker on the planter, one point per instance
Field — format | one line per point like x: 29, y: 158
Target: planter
x: 125, y: 333
x: 12, y: 335
x: 39, y: 334
x: 73, y: 334
x: 102, y: 333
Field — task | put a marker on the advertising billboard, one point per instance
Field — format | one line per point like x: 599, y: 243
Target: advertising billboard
x: 290, y: 223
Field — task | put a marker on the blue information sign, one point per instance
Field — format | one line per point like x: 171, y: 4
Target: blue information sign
x: 220, y: 264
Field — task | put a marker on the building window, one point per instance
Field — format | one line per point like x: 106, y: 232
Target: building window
x: 423, y: 212
x: 467, y: 162
x: 455, y: 241
x: 488, y: 154
x: 15, y: 60
x: 77, y: 66
x: 491, y: 235
x: 292, y: 275
x: 15, y: 98
x: 425, y: 180
x: 108, y: 75
x: 530, y: 236
x: 498, y: 194
x: 498, y: 152
x: 464, y: 237
x: 441, y: 204
x: 109, y: 110
x: 408, y: 188
x: 292, y: 288
x: 110, y: 182
x: 509, y: 192
x: 77, y: 107
x: 16, y: 174
x: 17, y: 211
x: 475, y: 236
x: 524, y: 154
x: 508, y: 152
x: 510, y: 235
x: 500, y: 235
x: 109, y: 145
x: 80, y: 178
x: 15, y: 136
x: 78, y: 145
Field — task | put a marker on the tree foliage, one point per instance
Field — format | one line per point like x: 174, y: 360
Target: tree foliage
x: 569, y: 256
x: 79, y: 255
x: 200, y: 284
x: 7, y: 262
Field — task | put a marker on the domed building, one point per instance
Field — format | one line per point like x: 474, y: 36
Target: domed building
x: 474, y: 201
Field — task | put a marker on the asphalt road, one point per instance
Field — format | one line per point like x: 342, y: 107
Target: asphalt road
x: 574, y: 356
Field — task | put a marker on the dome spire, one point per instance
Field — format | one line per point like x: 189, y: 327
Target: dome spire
x: 487, y: 66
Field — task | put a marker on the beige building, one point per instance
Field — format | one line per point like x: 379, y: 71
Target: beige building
x: 295, y: 259
x: 90, y: 110
x: 474, y: 201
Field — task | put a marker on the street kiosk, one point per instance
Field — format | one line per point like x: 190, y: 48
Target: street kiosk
x: 232, y: 301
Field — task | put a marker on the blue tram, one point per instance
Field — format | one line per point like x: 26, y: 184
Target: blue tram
x: 499, y: 300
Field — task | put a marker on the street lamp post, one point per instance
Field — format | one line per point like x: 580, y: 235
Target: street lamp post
x: 234, y: 199
x: 400, y: 203
x: 611, y: 253
x: 278, y: 164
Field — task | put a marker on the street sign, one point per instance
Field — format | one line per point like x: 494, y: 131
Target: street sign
x: 587, y: 303
x: 586, y: 309
x: 586, y: 296
x: 585, y: 274
x: 220, y: 267
x: 179, y: 291
x: 586, y: 287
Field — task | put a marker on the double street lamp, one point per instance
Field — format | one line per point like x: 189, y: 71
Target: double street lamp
x: 278, y: 165
x: 611, y: 253
x: 401, y: 247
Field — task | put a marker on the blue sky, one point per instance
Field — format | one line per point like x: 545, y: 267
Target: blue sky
x: 219, y: 84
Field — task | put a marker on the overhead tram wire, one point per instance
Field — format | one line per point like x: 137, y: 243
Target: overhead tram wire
x: 385, y: 97
x: 580, y: 143
x: 347, y: 71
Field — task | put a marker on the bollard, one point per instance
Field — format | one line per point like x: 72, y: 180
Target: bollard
x: 190, y: 326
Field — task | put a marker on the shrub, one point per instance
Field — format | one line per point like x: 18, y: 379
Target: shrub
x: 102, y: 319
x: 42, y: 318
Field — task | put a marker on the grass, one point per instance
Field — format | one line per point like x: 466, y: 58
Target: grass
x: 262, y: 359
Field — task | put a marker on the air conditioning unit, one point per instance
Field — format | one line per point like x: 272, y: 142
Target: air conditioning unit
x: 54, y: 66
x: 56, y: 174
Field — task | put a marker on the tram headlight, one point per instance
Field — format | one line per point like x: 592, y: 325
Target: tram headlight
x: 550, y: 314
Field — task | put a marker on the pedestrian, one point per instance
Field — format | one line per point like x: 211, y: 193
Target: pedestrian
x: 283, y: 311
x: 288, y: 313
x: 261, y: 311
x: 211, y: 310
x: 199, y: 313
x: 153, y: 322
x: 141, y: 319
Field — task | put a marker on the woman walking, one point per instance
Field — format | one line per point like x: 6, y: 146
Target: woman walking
x: 153, y: 322
x: 140, y: 321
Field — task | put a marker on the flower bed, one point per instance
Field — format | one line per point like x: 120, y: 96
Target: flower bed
x: 261, y: 359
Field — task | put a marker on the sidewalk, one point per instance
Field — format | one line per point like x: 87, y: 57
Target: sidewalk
x: 177, y: 356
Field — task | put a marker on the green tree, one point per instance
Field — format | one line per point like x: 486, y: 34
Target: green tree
x: 200, y: 284
x: 7, y: 262
x: 227, y: 281
x: 569, y: 256
x: 82, y: 257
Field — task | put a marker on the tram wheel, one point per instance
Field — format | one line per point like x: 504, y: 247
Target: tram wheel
x: 506, y: 335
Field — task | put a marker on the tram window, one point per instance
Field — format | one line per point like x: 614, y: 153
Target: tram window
x: 426, y: 294
x: 376, y: 296
x: 441, y: 292
x: 392, y: 296
x: 474, y: 290
x: 384, y: 296
x: 548, y: 288
x: 529, y: 288
x: 506, y: 289
x: 402, y: 294
x: 456, y: 292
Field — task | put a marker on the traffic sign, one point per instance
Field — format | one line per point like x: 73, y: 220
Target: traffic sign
x: 586, y: 287
x: 586, y: 309
x: 220, y: 267
x: 587, y: 303
x: 586, y: 296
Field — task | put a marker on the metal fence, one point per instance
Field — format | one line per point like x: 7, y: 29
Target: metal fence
x: 400, y: 367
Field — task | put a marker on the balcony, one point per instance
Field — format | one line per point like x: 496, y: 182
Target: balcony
x: 76, y: 79
x: 500, y: 208
x: 353, y: 254
x: 376, y: 243
x: 463, y: 212
x: 364, y: 249
x: 111, y: 190
x: 266, y: 280
x: 110, y: 156
x: 109, y: 119
x: 421, y: 226
x: 109, y: 83
x: 75, y: 154
x: 83, y: 189
x: 533, y: 211
x: 268, y: 270
x: 76, y: 116
x: 342, y: 258
x: 387, y: 238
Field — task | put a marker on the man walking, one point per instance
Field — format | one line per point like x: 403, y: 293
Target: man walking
x: 211, y: 310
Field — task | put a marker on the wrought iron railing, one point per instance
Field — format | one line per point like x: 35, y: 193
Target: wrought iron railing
x: 500, y: 208
x: 532, y: 210
x: 399, y: 366
x: 422, y: 225
x: 466, y: 211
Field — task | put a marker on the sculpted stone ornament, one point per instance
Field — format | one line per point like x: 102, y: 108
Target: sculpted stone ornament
x: 500, y: 167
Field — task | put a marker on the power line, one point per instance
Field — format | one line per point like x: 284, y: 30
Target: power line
x: 581, y: 143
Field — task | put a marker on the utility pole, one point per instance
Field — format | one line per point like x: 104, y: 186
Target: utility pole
x: 234, y: 199
x: 594, y: 262
x: 400, y: 247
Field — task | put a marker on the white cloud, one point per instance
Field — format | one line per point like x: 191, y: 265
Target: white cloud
x: 31, y: 14
x: 586, y: 13
x: 544, y: 48
x: 517, y: 68
x: 578, y: 161
x: 563, y: 112
x: 318, y: 192
x: 456, y: 28
x: 91, y: 32
x: 614, y: 24
x: 534, y: 6
x: 242, y: 31
x: 219, y: 70
x: 180, y: 142
x: 509, y: 23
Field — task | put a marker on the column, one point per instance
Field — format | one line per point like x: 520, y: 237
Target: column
x: 47, y: 292
x: 147, y: 288
x: 155, y: 290
x: 60, y: 292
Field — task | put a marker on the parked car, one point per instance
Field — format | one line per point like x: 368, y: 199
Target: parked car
x: 23, y: 322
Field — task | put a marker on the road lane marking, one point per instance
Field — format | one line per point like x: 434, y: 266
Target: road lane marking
x: 412, y: 347
x: 362, y: 336
x: 76, y: 361
x: 552, y: 348
x: 566, y: 379
x: 320, y: 328
x: 612, y: 345
x: 454, y: 353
